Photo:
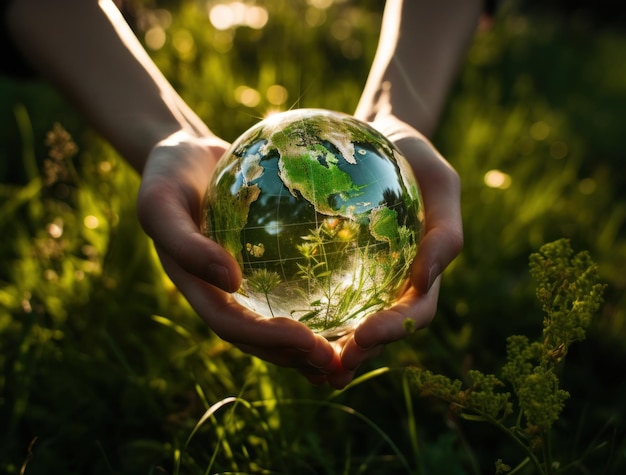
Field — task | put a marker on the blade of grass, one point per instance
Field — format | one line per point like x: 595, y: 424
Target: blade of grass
x: 28, y: 148
x: 361, y: 379
x: 18, y: 197
x: 412, y: 427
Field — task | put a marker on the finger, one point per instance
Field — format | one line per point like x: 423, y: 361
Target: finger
x: 412, y: 312
x: 320, y: 360
x: 240, y: 326
x: 436, y: 251
x: 354, y: 355
x: 441, y: 192
x: 389, y: 325
x: 167, y: 211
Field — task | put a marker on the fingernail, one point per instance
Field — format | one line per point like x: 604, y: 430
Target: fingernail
x: 220, y: 276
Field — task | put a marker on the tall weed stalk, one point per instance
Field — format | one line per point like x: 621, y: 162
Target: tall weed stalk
x: 526, y: 410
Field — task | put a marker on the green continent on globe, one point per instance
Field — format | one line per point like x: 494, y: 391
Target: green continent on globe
x: 316, y: 176
x: 323, y: 215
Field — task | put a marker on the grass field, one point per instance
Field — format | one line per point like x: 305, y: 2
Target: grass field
x: 107, y: 370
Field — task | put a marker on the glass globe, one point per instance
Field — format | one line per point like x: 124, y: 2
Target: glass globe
x: 323, y: 215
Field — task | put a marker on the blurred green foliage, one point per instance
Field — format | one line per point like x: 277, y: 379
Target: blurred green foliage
x: 106, y: 369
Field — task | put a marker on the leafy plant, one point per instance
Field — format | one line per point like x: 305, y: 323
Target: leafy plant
x: 570, y: 294
x: 264, y: 281
x: 379, y: 269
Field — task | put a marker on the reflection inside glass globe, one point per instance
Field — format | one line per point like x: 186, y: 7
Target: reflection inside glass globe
x: 323, y: 215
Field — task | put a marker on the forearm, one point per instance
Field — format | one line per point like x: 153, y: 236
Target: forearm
x: 421, y: 47
x: 88, y: 51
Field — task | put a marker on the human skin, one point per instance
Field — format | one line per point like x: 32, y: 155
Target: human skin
x: 86, y: 49
x: 422, y: 45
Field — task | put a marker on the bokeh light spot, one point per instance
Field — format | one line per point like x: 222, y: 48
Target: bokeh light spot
x: 224, y: 16
x: 321, y: 4
x: 256, y: 17
x: 247, y: 96
x: 55, y: 229
x: 314, y: 17
x: 341, y: 29
x: 540, y: 130
x: 558, y: 150
x: 497, y: 179
x: 105, y: 166
x: 276, y: 94
x: 221, y: 17
x: 587, y: 186
x: 155, y: 38
x: 91, y: 222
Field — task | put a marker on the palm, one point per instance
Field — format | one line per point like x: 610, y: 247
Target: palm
x: 169, y: 204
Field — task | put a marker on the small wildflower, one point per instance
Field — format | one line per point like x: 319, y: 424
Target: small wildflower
x: 264, y: 281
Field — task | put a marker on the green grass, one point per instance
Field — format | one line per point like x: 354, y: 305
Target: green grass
x: 106, y: 369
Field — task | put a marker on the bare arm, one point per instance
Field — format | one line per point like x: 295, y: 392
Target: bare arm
x: 88, y: 51
x: 421, y: 47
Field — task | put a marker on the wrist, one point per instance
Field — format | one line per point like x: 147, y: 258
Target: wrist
x: 148, y: 135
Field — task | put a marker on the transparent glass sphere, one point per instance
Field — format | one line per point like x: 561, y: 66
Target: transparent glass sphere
x: 323, y: 215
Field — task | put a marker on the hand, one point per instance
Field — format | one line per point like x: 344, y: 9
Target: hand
x: 169, y: 202
x: 442, y: 241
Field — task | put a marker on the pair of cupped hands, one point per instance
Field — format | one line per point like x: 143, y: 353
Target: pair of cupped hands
x: 174, y: 182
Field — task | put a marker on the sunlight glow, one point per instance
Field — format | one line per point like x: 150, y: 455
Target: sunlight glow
x: 55, y: 229
x: 91, y: 222
x: 271, y: 111
x: 497, y: 179
x: 347, y: 282
x: 224, y: 16
x: 247, y: 96
x: 105, y: 166
x: 276, y: 94
x: 155, y: 38
x: 315, y: 17
x: 321, y: 4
